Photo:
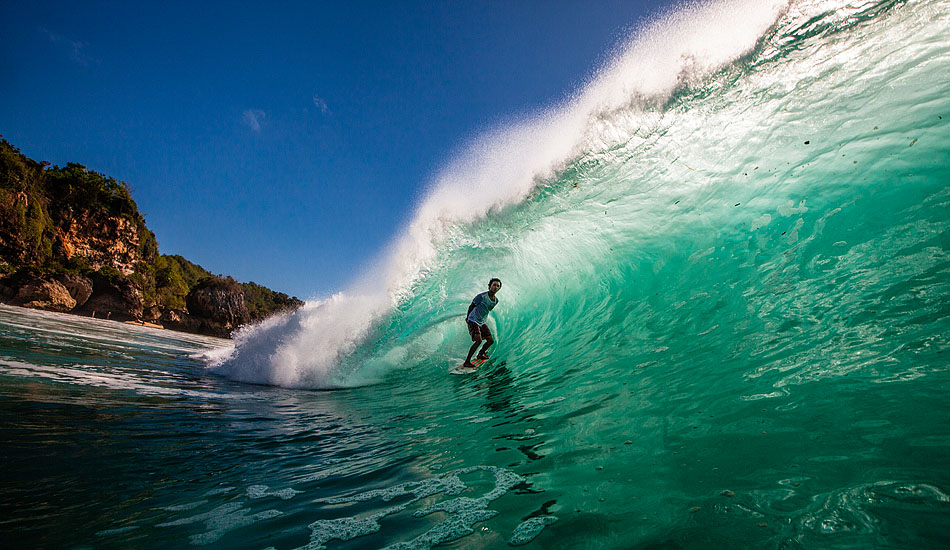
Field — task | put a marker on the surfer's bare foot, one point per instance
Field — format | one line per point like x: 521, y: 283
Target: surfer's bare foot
x: 482, y: 357
x: 467, y: 365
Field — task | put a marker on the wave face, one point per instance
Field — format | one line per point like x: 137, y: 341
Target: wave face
x: 758, y: 187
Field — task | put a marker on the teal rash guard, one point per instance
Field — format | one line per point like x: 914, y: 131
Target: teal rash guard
x: 483, y: 304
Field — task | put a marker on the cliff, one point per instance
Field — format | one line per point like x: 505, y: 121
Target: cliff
x: 72, y: 240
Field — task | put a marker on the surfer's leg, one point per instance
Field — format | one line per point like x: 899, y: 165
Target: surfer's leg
x: 473, y: 330
x: 471, y: 350
x: 486, y: 334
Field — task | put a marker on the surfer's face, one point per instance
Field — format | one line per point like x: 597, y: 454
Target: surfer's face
x: 494, y: 287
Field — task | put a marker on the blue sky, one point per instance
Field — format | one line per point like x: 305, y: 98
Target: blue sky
x: 285, y: 143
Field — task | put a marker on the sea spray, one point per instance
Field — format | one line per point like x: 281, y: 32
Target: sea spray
x: 302, y: 349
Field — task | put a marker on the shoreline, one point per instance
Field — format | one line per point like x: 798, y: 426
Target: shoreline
x: 146, y: 324
x: 137, y: 323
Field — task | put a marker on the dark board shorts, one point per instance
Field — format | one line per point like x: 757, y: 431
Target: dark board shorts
x: 478, y: 332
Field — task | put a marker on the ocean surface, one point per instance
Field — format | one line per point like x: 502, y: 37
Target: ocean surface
x: 725, y: 323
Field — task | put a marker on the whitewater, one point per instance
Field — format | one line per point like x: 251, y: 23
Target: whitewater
x: 724, y: 323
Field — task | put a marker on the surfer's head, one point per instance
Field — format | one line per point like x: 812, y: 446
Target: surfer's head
x: 494, y: 285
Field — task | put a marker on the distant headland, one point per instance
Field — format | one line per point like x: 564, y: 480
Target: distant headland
x: 72, y: 240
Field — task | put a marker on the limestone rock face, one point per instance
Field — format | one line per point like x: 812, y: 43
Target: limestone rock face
x: 152, y: 314
x: 79, y: 287
x: 111, y: 241
x: 113, y: 299
x: 223, y: 305
x: 216, y: 310
x: 171, y: 317
x: 44, y: 294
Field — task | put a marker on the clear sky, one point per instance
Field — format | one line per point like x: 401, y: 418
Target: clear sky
x: 285, y: 143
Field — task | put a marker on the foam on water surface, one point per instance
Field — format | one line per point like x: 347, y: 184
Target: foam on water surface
x: 462, y: 513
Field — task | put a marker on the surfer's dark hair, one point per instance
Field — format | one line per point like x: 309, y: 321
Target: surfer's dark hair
x: 493, y: 280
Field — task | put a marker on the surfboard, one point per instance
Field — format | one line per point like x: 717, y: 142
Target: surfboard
x: 465, y: 370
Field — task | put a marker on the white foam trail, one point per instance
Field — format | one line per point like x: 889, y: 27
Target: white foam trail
x: 144, y: 383
x: 497, y: 169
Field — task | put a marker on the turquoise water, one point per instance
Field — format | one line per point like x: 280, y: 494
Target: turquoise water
x: 724, y: 323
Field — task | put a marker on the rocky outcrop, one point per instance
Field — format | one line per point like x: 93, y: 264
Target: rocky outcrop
x: 50, y: 295
x: 152, y: 314
x: 115, y: 299
x: 79, y: 287
x: 224, y: 304
x: 215, y: 307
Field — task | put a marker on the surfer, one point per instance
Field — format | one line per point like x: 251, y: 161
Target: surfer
x: 475, y: 318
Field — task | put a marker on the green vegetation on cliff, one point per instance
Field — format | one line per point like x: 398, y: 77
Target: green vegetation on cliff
x: 261, y: 300
x: 26, y: 235
x: 36, y: 201
x: 71, y: 221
